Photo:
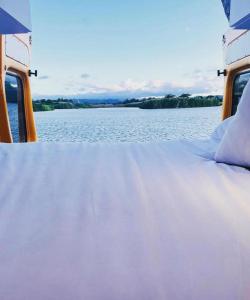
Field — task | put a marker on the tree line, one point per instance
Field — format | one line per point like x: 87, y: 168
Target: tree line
x: 50, y: 105
x: 172, y: 101
x: 169, y: 101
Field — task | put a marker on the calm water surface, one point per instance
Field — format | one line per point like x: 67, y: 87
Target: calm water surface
x: 126, y: 124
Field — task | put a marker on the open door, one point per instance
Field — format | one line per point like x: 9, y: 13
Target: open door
x: 16, y: 111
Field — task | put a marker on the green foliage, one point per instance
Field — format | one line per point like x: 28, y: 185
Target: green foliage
x: 49, y: 105
x: 42, y: 107
x: 64, y: 105
x: 169, y: 96
x: 184, y: 101
x: 169, y: 101
x: 185, y: 95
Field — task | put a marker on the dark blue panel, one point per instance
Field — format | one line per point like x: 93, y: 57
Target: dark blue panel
x: 244, y: 23
x: 227, y: 7
x: 9, y: 25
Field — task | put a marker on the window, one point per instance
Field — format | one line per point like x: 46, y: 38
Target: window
x: 240, y: 82
x: 15, y: 103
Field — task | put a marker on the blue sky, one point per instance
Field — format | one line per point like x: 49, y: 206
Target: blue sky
x: 114, y: 48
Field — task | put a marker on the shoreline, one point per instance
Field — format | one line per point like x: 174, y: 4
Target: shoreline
x: 148, y: 103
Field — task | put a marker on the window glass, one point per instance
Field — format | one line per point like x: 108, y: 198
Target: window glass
x: 15, y: 103
x: 240, y: 82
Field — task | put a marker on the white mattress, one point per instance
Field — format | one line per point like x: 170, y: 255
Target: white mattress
x: 131, y: 221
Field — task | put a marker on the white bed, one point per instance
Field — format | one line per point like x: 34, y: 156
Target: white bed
x: 129, y: 221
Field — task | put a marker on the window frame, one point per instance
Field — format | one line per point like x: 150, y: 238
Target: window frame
x: 23, y: 136
x: 236, y: 75
x: 232, y: 70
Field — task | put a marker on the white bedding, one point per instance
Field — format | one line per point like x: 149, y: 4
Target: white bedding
x: 131, y: 221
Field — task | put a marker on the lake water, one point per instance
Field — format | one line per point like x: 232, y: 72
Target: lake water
x: 126, y: 124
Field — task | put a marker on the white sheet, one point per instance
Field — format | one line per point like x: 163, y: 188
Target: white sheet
x: 162, y: 221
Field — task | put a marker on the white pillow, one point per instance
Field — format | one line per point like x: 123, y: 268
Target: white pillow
x: 234, y: 148
x: 220, y: 131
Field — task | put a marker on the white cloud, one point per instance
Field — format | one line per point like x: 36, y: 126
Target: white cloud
x: 43, y: 77
x: 199, y: 84
x: 85, y: 76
